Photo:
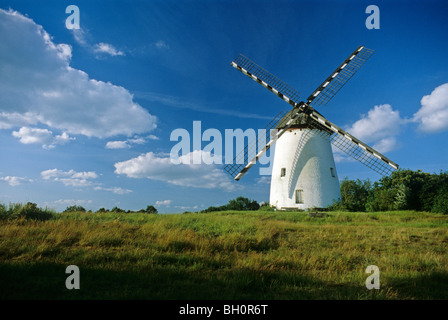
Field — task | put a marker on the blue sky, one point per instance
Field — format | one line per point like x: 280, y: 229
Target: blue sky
x: 86, y: 115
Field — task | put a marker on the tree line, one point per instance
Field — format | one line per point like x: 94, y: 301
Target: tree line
x: 77, y: 208
x: 402, y: 190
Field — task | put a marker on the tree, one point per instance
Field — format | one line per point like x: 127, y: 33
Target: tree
x: 242, y: 204
x: 151, y: 209
x: 75, y: 209
x: 354, y: 194
x: 380, y: 199
x: 441, y: 203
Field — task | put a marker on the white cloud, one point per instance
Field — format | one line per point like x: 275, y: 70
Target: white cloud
x: 163, y: 202
x: 264, y: 180
x: 152, y: 137
x: 72, y: 202
x: 117, y: 145
x: 160, y: 167
x: 38, y: 86
x: 15, y: 119
x: 433, y: 115
x: 108, y: 49
x: 41, y: 136
x: 80, y: 37
x: 116, y: 190
x: 15, y: 181
x: 378, y: 128
x: 83, y: 37
x: 122, y: 144
x: 70, y: 178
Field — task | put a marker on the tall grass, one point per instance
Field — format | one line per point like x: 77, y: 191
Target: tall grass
x: 226, y: 255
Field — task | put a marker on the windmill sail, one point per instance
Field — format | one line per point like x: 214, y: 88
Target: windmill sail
x: 266, y: 79
x: 327, y: 90
x: 351, y: 145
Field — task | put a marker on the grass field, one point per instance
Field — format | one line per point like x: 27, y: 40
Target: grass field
x: 226, y: 255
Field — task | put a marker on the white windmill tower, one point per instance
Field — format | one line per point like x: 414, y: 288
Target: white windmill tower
x: 304, y: 173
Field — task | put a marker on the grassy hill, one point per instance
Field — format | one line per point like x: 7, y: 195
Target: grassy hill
x: 226, y: 255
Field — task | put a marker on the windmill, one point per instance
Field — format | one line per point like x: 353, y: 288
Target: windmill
x: 303, y: 171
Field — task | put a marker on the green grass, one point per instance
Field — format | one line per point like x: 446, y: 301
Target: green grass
x: 226, y: 255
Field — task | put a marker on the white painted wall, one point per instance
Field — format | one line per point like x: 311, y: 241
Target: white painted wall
x: 312, y: 172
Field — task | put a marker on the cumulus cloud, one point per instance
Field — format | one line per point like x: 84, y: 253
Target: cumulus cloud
x: 160, y: 167
x: 70, y: 178
x: 432, y: 117
x: 15, y: 181
x: 38, y: 86
x: 378, y: 128
x: 41, y: 136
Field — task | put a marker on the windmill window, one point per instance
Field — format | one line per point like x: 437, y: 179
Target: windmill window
x: 299, y: 196
x: 283, y: 172
x: 332, y: 172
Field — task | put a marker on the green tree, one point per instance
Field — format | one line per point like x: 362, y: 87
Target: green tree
x: 151, y: 209
x: 354, y: 194
x: 441, y: 203
x: 242, y: 204
x: 75, y: 209
x: 31, y: 211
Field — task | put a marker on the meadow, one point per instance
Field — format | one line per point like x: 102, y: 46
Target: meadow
x: 226, y: 255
